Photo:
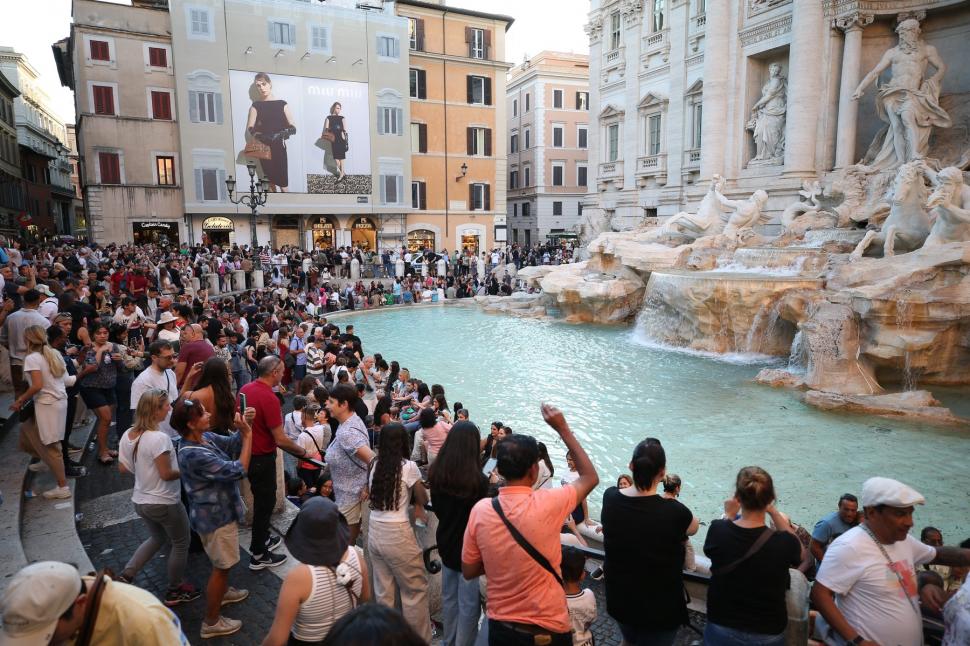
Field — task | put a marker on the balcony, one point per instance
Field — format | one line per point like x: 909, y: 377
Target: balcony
x: 656, y: 41
x: 697, y: 23
x: 611, y: 170
x: 652, y: 165
x: 692, y: 159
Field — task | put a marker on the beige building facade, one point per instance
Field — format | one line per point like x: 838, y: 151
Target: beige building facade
x: 548, y: 143
x: 315, y: 97
x: 118, y: 60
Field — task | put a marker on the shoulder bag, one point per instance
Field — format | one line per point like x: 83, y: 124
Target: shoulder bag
x: 93, y: 606
x: 524, y: 544
x: 754, y: 549
x: 256, y: 149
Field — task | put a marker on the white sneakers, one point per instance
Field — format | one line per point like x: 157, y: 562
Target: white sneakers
x: 57, y: 492
x: 225, y: 626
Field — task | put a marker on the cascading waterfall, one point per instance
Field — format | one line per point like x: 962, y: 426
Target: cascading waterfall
x: 797, y: 357
x: 904, y: 320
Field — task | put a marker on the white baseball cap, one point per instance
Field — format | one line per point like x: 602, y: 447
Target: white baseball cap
x: 886, y: 491
x: 34, y: 600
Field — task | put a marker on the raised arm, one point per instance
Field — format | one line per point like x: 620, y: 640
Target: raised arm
x: 883, y: 63
x: 588, y: 478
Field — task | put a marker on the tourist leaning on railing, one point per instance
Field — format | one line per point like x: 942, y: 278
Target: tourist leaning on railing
x: 749, y: 567
x: 643, y: 537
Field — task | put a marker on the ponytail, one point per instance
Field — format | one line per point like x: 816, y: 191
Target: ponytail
x: 649, y: 460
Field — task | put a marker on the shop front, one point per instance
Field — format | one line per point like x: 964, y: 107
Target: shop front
x: 323, y: 230
x: 286, y: 231
x: 421, y: 239
x: 216, y: 230
x: 155, y: 232
x: 363, y: 233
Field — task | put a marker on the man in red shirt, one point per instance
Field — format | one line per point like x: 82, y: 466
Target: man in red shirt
x: 121, y: 275
x: 138, y: 284
x: 267, y: 435
x: 193, y: 349
x: 526, y: 603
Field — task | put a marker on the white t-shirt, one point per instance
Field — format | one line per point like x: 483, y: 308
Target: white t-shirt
x: 54, y: 387
x: 409, y: 476
x: 582, y: 614
x: 293, y: 424
x: 149, y: 489
x: 152, y: 378
x: 869, y: 593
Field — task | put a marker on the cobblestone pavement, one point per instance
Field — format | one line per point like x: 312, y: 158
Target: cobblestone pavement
x: 111, y: 534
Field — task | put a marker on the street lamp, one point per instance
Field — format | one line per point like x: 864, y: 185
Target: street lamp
x: 464, y: 171
x: 255, y: 198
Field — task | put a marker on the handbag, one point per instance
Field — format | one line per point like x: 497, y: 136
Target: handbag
x: 329, y: 136
x: 27, y: 411
x: 524, y: 544
x: 256, y: 149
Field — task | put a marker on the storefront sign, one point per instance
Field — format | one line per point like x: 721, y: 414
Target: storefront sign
x: 145, y: 226
x: 218, y: 223
x: 363, y: 223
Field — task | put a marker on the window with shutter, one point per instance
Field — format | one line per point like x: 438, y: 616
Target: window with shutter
x: 420, y: 34
x: 488, y: 142
x: 479, y: 90
x: 582, y: 100
x: 415, y: 194
x: 557, y: 171
x: 528, y: 139
x: 199, y: 22
x: 100, y: 50
x: 527, y: 101
x: 319, y: 38
x: 557, y: 136
x: 581, y: 176
x: 157, y: 57
x: 210, y: 185
x: 488, y: 197
x: 161, y: 105
x: 476, y: 47
x: 526, y: 176
x: 514, y: 144
x: 557, y: 99
x: 488, y: 91
x: 557, y: 208
x: 282, y: 33
x: 110, y: 166
x: 582, y: 137
x: 388, y: 47
x: 104, y: 99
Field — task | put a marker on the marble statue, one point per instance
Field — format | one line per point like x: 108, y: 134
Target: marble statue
x: 767, y: 123
x: 950, y: 203
x: 909, y: 103
x: 709, y: 219
x: 799, y: 217
x: 747, y: 213
x: 908, y: 223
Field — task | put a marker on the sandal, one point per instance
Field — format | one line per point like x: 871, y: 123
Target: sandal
x: 106, y: 459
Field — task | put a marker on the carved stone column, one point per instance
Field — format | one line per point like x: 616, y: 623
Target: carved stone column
x: 852, y: 25
x: 714, y: 125
x: 804, y: 88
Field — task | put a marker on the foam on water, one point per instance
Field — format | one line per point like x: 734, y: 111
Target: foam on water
x: 640, y: 337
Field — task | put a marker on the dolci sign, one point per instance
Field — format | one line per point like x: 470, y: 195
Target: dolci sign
x: 217, y: 224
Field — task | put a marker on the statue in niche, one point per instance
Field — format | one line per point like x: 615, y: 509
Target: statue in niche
x: 767, y: 123
x: 950, y: 203
x: 909, y: 103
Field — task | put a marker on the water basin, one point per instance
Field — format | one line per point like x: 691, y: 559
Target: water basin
x: 709, y: 414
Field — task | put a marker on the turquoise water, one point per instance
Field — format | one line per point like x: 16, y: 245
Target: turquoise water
x: 710, y: 416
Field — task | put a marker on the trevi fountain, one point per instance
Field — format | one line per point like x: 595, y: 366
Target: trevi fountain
x: 861, y: 285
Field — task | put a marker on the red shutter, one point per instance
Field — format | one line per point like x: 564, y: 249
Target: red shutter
x: 422, y: 137
x: 161, y: 106
x: 110, y: 168
x: 471, y: 197
x: 100, y: 50
x: 470, y: 141
x: 488, y: 42
x: 488, y: 197
x: 157, y: 57
x: 104, y: 99
x: 488, y: 142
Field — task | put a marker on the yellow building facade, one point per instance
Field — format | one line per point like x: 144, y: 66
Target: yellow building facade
x: 457, y: 79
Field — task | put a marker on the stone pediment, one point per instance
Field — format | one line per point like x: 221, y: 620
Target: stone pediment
x: 611, y: 111
x: 653, y: 100
x: 697, y: 87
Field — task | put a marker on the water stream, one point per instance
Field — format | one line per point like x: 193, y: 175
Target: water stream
x: 616, y: 389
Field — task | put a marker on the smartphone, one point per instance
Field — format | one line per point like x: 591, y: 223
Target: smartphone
x: 489, y: 466
x: 242, y: 403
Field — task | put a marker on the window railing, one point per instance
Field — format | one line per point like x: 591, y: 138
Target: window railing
x: 611, y: 169
x: 652, y: 164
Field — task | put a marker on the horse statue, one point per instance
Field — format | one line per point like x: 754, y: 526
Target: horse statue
x: 908, y: 223
x: 709, y: 219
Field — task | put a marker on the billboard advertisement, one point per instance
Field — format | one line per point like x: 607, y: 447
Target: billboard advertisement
x: 307, y: 135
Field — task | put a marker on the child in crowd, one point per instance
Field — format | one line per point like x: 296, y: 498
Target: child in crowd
x: 314, y: 437
x: 580, y: 602
x: 296, y: 490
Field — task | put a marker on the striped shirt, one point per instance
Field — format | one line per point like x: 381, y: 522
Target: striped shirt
x: 328, y: 600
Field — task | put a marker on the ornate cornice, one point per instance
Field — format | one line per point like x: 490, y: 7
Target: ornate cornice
x: 856, y: 20
x: 756, y: 7
x: 837, y: 8
x: 765, y: 31
x: 594, y: 28
x: 632, y: 11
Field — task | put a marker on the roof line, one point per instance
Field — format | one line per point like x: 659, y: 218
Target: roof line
x: 467, y: 12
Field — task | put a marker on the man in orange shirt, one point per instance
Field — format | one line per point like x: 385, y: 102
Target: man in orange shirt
x: 526, y: 602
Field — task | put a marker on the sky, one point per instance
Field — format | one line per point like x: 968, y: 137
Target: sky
x: 31, y: 26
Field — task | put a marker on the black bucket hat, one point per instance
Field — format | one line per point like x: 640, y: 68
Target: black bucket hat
x: 319, y: 534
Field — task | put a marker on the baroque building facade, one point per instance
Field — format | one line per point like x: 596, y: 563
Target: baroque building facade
x: 760, y: 92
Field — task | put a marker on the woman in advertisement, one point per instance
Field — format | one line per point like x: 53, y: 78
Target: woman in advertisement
x: 270, y: 123
x: 335, y: 132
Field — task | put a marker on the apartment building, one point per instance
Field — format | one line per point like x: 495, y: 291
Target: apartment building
x: 548, y: 129
x: 74, y: 158
x: 12, y: 200
x: 118, y: 61
x: 43, y: 153
x: 314, y: 97
x: 457, y: 80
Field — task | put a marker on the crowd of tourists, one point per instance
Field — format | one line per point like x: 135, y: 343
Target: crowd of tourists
x: 195, y: 389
